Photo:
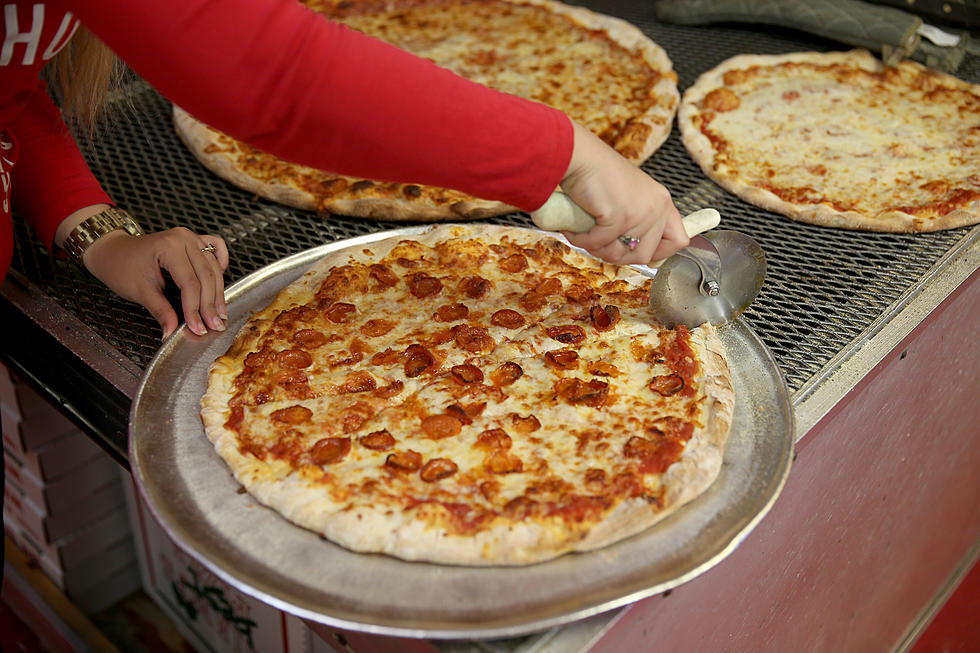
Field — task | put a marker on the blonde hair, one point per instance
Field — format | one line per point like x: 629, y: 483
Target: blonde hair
x: 82, y: 75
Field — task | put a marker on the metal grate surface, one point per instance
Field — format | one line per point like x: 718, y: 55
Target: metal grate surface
x: 824, y: 286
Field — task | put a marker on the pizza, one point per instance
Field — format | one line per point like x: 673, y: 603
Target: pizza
x: 599, y: 70
x: 839, y: 139
x: 469, y: 394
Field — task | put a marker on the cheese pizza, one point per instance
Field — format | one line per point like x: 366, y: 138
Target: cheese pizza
x: 599, y: 70
x: 839, y: 139
x: 471, y: 394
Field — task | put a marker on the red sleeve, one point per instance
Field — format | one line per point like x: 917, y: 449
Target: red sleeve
x: 286, y: 80
x: 50, y: 179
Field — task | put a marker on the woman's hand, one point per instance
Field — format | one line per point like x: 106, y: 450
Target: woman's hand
x: 132, y: 267
x: 625, y: 201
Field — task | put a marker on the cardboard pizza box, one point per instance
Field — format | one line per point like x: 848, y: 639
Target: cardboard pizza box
x: 26, y: 433
x: 75, y: 548
x: 58, y: 457
x: 110, y: 591
x: 62, y: 494
x: 208, y: 612
x: 48, y: 528
x: 8, y: 395
x: 92, y: 571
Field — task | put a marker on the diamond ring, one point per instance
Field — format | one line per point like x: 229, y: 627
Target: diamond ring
x: 209, y: 248
x: 630, y: 241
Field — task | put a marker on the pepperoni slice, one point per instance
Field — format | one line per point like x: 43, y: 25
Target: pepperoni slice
x: 601, y: 368
x: 604, y: 318
x: 417, y: 360
x: 562, y: 359
x: 437, y: 469
x: 506, y: 374
x: 340, y: 312
x: 467, y: 373
x: 474, y: 287
x: 466, y: 414
x: 473, y: 338
x: 508, y: 319
x: 292, y: 415
x: 381, y: 274
x: 330, y: 450
x: 386, y: 357
x: 390, y: 390
x: 513, y: 263
x: 450, y: 312
x: 309, y: 339
x: 666, y: 385
x: 569, y: 334
x: 378, y: 441
x: 493, y: 439
x: 580, y: 294
x: 550, y: 286
x: 359, y: 381
x: 588, y: 393
x: 294, y: 358
x: 258, y: 359
x: 424, y: 285
x: 441, y: 426
x: 532, y: 301
x: 375, y: 328
x: 501, y: 462
x: 408, y: 461
x: 527, y: 424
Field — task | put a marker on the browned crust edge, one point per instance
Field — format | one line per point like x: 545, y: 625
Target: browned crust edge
x: 702, y: 152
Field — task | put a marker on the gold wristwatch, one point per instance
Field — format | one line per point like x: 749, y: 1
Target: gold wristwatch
x: 96, y: 226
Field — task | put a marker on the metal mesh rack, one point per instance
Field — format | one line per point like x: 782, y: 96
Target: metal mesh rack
x: 824, y: 287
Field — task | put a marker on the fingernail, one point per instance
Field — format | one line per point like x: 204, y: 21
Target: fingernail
x: 217, y: 324
x: 198, y: 327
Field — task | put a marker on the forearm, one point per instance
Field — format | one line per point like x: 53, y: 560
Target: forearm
x: 365, y: 109
x: 51, y: 180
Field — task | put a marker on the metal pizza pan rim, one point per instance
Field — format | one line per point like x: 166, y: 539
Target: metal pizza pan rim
x: 191, y: 493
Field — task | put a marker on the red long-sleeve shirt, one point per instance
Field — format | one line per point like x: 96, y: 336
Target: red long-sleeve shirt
x: 246, y: 67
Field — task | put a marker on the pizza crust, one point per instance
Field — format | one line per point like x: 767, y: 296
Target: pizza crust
x: 203, y: 140
x: 704, y: 152
x: 402, y: 533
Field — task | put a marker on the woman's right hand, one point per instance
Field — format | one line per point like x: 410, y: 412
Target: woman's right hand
x: 624, y: 200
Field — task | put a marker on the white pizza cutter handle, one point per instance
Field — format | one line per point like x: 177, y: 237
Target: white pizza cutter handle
x: 561, y: 213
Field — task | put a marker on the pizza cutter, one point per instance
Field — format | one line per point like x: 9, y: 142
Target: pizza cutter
x: 713, y: 279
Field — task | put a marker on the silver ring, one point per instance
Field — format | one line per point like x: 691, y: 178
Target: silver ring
x: 630, y: 241
x: 209, y: 248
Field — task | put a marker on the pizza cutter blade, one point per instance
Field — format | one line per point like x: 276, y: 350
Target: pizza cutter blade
x: 713, y: 279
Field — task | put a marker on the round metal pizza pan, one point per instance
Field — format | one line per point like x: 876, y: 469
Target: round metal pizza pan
x: 193, y: 495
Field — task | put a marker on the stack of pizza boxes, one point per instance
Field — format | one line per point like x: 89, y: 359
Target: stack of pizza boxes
x: 213, y: 615
x: 63, y: 501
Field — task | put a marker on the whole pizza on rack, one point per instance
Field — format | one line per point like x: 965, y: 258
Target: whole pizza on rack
x: 599, y: 70
x: 469, y: 394
x: 839, y: 139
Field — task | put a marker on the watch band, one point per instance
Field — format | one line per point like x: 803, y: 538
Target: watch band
x: 96, y: 226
